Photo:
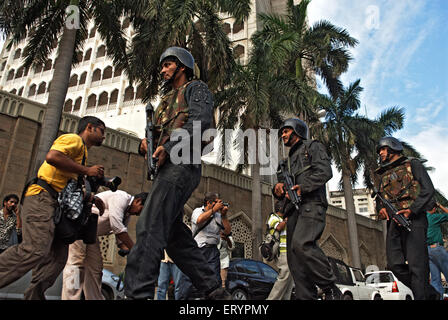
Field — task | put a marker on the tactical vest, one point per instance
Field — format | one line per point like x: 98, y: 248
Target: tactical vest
x: 171, y: 114
x: 399, y: 186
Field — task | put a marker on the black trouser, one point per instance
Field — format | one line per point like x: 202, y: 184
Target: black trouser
x: 212, y: 256
x: 402, y: 246
x: 160, y: 226
x: 307, y: 262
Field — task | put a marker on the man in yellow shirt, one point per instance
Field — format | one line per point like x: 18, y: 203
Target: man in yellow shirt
x: 39, y: 249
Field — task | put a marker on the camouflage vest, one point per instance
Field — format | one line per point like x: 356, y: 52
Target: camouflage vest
x: 398, y: 185
x: 171, y: 114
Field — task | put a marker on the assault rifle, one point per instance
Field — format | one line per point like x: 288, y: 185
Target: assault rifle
x: 288, y: 184
x: 392, y: 212
x: 150, y: 128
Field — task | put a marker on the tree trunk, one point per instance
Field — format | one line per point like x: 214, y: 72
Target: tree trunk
x: 56, y: 96
x: 351, y: 218
x: 256, y: 205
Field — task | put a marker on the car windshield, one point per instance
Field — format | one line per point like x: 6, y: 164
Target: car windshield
x: 378, y: 277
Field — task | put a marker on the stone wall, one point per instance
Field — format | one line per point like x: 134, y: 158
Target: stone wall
x: 19, y: 131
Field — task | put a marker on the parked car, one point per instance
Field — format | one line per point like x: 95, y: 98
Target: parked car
x: 249, y: 279
x: 352, y: 282
x: 15, y: 290
x: 390, y: 287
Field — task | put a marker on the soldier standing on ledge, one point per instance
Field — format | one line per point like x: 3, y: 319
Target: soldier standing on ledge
x: 160, y: 225
x: 310, y: 166
x: 406, y: 184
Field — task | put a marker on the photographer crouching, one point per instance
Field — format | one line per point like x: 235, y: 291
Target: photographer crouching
x: 40, y: 249
x: 85, y: 262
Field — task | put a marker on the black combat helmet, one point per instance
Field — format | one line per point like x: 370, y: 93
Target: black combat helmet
x: 182, y: 54
x: 300, y: 128
x: 391, y: 142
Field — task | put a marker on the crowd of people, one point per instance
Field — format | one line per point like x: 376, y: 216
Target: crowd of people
x: 197, y: 258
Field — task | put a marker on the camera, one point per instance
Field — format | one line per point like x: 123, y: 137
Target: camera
x: 111, y: 183
x: 226, y: 204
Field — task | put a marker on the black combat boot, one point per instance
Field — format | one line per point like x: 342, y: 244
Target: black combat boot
x: 219, y: 293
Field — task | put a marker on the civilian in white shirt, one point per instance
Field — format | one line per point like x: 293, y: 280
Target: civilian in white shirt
x: 83, y: 270
x: 207, y: 222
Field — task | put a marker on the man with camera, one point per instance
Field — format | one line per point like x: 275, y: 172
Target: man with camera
x: 40, y: 250
x: 83, y: 271
x: 186, y: 103
x: 207, y: 223
x: 9, y: 222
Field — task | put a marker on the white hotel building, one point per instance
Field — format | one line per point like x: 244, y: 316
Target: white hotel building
x: 96, y: 87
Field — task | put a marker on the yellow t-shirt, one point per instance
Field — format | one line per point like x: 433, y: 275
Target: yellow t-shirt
x: 72, y: 146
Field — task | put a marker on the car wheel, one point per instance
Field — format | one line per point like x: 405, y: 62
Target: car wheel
x: 408, y: 298
x: 107, y: 293
x: 239, y: 294
x: 347, y: 297
x: 377, y: 297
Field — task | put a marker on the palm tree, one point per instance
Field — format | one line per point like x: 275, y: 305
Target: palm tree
x: 274, y: 85
x: 191, y: 24
x: 349, y: 138
x: 305, y: 51
x: 46, y: 22
x: 254, y: 99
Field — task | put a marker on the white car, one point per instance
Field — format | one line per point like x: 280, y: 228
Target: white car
x: 390, y: 287
x: 352, y: 283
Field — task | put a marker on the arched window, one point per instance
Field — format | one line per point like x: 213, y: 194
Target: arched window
x: 10, y: 75
x: 20, y: 91
x: 49, y: 86
x: 68, y: 105
x: 77, y: 104
x: 103, y: 99
x: 226, y: 28
x: 3, y: 66
x: 32, y: 90
x: 48, y: 65
x: 125, y: 24
x: 96, y: 75
x: 238, y: 51
x: 73, y: 81
x: 19, y: 73
x: 38, y: 68
x: 87, y: 55
x: 92, y: 32
x: 41, y: 88
x: 107, y: 73
x: 17, y: 54
x: 237, y: 27
x: 140, y: 91
x: 79, y: 56
x: 101, y: 52
x: 91, y: 101
x: 117, y: 72
x: 83, y: 78
x: 113, y: 97
x: 129, y: 93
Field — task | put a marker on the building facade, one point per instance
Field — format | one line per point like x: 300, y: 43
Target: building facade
x: 20, y: 124
x: 364, y: 204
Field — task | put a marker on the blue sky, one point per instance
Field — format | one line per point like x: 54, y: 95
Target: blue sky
x: 401, y: 60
